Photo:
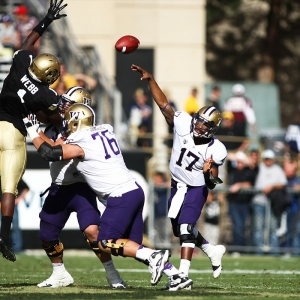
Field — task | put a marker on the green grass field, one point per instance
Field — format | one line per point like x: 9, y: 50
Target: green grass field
x: 245, y: 277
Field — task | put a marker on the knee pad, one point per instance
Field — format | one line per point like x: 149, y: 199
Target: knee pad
x: 94, y: 245
x: 56, y: 248
x: 186, y: 233
x: 116, y: 249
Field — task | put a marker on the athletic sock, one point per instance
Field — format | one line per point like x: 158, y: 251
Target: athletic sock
x: 5, y: 228
x: 184, y: 266
x: 170, y: 270
x: 58, y: 268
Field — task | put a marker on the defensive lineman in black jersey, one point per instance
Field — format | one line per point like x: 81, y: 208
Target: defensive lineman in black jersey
x: 25, y: 90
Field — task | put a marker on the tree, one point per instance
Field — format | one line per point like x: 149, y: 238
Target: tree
x: 256, y: 41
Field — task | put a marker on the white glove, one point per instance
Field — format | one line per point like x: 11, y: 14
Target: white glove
x: 32, y: 126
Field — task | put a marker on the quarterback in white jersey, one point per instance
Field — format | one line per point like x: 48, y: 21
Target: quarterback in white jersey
x: 97, y: 156
x: 196, y: 156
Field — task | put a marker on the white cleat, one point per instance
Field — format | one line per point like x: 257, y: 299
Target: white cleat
x: 57, y: 281
x: 119, y: 286
x: 178, y: 282
x: 157, y: 262
x: 215, y: 257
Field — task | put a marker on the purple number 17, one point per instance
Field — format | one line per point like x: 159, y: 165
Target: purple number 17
x: 111, y: 142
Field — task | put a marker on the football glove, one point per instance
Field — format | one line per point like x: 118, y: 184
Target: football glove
x: 54, y: 10
x: 64, y: 130
x: 32, y: 126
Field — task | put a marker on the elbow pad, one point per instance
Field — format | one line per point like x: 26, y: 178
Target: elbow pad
x: 50, y: 153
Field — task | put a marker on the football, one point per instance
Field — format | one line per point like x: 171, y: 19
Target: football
x: 127, y: 44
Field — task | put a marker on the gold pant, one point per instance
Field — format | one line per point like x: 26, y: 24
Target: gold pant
x: 12, y: 157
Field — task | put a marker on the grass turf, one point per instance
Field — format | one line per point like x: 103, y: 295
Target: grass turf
x: 245, y: 277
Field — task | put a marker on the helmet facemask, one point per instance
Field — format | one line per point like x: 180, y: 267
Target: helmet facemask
x: 64, y: 104
x: 73, y: 95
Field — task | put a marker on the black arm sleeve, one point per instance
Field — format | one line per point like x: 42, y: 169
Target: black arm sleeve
x: 50, y: 153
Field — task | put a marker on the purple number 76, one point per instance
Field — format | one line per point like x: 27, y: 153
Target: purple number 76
x: 111, y: 142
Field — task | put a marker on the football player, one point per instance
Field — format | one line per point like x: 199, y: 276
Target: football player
x: 25, y: 90
x: 70, y: 193
x: 97, y: 156
x: 195, y: 158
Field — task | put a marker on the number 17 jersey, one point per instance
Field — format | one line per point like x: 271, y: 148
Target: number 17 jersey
x: 187, y: 158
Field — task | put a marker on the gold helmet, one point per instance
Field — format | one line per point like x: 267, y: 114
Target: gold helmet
x: 206, y: 122
x: 79, y: 116
x: 74, y: 95
x: 45, y: 68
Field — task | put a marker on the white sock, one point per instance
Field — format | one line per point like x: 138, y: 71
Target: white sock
x: 170, y: 270
x: 184, y: 266
x: 144, y: 253
x: 207, y: 248
x: 58, y: 268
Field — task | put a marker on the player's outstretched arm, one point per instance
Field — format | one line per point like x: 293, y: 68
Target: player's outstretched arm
x: 52, y: 14
x: 157, y: 94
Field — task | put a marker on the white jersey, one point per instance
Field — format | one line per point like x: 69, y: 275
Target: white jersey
x: 187, y: 159
x: 103, y: 166
x: 62, y: 172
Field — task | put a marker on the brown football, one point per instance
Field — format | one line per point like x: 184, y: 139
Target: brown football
x: 127, y: 44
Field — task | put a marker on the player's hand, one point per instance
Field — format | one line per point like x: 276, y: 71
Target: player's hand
x: 54, y: 10
x: 32, y: 126
x: 64, y: 130
x: 145, y: 74
x: 31, y: 121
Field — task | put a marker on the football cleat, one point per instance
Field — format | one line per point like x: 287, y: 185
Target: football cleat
x: 157, y: 262
x: 55, y: 281
x: 6, y: 250
x: 215, y: 255
x: 119, y: 286
x: 115, y: 281
x: 178, y: 282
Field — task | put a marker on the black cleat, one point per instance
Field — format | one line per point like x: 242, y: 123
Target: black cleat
x: 6, y: 250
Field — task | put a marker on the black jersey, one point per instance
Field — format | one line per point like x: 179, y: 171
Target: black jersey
x: 20, y: 85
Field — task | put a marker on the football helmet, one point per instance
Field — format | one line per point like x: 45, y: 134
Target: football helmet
x: 73, y: 95
x: 206, y: 122
x: 79, y: 116
x: 45, y: 68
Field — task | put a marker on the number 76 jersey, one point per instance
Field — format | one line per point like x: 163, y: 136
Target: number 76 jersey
x: 187, y: 158
x: 103, y: 166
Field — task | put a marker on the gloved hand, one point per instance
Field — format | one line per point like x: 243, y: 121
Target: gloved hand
x: 54, y: 10
x: 64, y: 130
x: 32, y: 126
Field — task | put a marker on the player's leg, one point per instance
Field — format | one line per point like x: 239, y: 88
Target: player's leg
x: 192, y: 207
x: 12, y: 166
x: 123, y: 217
x: 112, y: 275
x: 54, y: 215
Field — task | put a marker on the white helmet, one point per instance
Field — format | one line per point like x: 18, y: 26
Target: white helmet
x: 238, y: 89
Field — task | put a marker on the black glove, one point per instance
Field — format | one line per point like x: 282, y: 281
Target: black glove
x: 54, y: 10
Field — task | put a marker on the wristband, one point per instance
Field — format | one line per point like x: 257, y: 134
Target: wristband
x: 42, y: 26
x: 162, y: 109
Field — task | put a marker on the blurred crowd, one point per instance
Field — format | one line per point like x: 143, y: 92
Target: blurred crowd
x: 13, y: 31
